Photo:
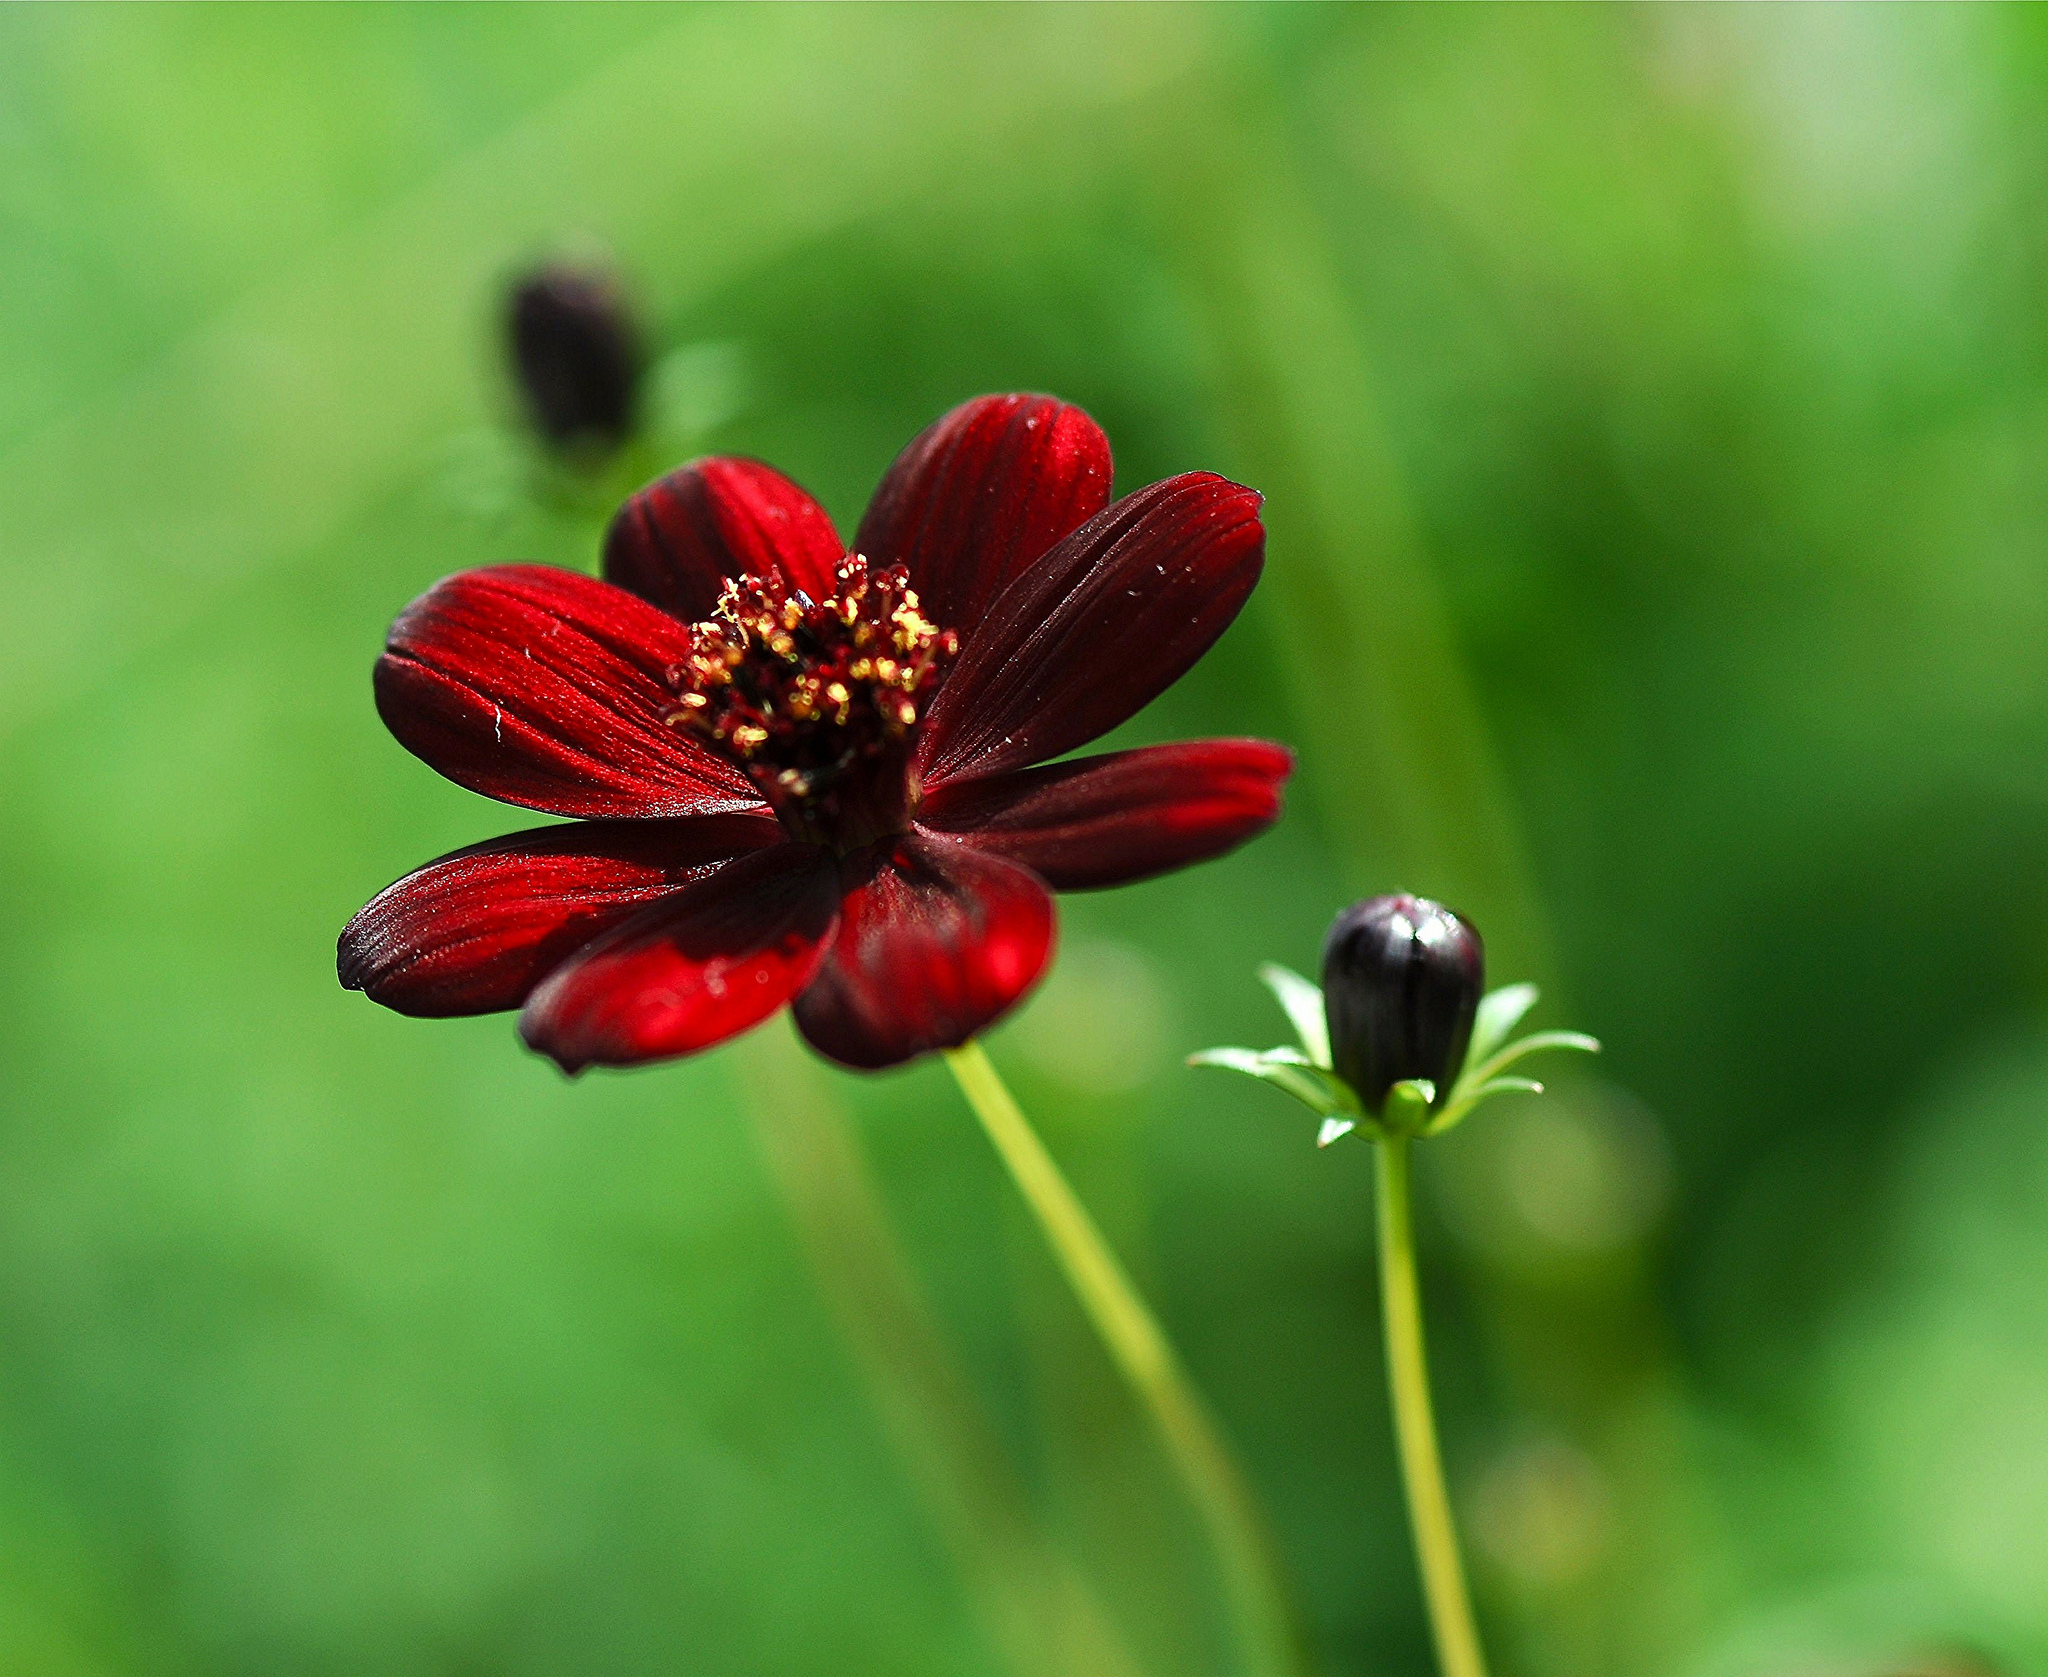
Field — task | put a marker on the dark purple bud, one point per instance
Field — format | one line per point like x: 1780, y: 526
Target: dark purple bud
x: 1402, y: 978
x: 577, y: 357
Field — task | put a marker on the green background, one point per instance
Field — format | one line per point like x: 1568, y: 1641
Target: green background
x: 1653, y: 409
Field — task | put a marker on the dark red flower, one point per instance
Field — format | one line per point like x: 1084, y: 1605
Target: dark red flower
x: 807, y: 775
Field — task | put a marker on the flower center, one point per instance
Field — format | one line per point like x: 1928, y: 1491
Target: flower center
x: 817, y: 700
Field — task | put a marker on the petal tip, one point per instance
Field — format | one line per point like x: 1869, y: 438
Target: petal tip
x: 536, y: 1039
x: 677, y: 540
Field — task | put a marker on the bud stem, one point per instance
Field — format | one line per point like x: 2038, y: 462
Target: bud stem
x: 1138, y: 1346
x: 1422, y: 1468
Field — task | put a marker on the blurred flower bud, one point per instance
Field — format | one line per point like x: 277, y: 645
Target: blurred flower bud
x: 577, y: 358
x: 1402, y: 978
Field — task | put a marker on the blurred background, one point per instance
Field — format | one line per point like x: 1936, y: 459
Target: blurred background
x: 1652, y: 407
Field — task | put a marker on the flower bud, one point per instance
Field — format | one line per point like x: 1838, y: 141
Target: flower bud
x: 576, y: 355
x: 1402, y: 978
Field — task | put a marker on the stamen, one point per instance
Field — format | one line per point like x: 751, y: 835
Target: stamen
x: 815, y: 700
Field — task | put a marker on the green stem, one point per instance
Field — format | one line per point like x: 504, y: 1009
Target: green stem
x: 1140, y: 1350
x: 1422, y: 1468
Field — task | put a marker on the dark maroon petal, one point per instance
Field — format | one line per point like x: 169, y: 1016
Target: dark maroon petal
x: 543, y: 687
x: 676, y: 542
x: 476, y: 931
x: 718, y: 956
x: 935, y: 943
x: 978, y: 496
x: 1097, y: 628
x: 1109, y: 820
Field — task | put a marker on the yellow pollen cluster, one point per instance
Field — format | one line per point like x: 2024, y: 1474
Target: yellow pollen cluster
x: 799, y: 690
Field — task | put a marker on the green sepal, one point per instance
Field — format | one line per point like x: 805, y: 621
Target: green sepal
x: 1499, y: 1013
x: 1485, y: 1071
x: 1461, y: 1106
x: 1406, y: 1111
x: 1303, y: 1003
x: 1411, y: 1107
x: 1507, y: 1086
x: 1287, y: 1069
x: 1483, y: 1076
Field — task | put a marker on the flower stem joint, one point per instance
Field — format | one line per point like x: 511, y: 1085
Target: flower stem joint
x: 1402, y: 1037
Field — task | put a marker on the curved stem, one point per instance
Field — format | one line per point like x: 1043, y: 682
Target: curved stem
x: 1140, y: 1350
x: 1422, y: 1468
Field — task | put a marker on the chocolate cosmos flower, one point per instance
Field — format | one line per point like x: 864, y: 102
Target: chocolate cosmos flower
x: 813, y: 776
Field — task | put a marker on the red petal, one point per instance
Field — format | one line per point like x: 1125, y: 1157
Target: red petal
x: 476, y: 931
x: 935, y: 943
x: 1097, y: 628
x: 981, y: 494
x: 543, y: 687
x: 718, y: 956
x: 676, y: 542
x: 1109, y: 820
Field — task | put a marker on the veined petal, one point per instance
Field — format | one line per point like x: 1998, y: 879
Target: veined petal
x: 935, y: 943
x: 676, y: 541
x: 476, y: 931
x: 1129, y: 815
x: 703, y: 965
x: 544, y: 687
x: 1098, y: 627
x: 981, y: 494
